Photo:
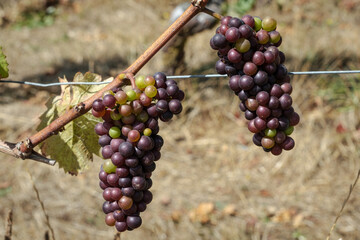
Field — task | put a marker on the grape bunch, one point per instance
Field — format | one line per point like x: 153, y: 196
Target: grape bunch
x: 130, y: 144
x: 249, y: 55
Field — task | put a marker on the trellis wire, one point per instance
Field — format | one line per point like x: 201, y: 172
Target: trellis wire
x: 174, y: 77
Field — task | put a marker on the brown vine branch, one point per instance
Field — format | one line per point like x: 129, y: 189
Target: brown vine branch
x: 13, y: 150
x: 212, y: 13
x: 26, y: 147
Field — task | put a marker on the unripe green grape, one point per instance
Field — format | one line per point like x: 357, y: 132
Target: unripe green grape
x: 150, y: 91
x: 258, y: 23
x: 242, y: 45
x: 150, y: 81
x: 289, y: 130
x: 114, y: 132
x: 269, y: 24
x: 270, y: 132
x: 115, y: 115
x: 131, y: 95
x: 121, y: 97
x: 140, y: 82
x: 147, y: 132
x: 109, y: 167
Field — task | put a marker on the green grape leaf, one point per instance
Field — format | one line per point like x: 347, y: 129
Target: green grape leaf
x: 74, y: 146
x: 4, y: 71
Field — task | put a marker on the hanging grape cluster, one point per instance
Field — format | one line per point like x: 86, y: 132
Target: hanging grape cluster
x: 130, y: 144
x: 249, y: 55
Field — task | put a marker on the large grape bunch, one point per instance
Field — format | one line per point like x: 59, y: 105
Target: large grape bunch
x: 249, y: 55
x: 130, y: 144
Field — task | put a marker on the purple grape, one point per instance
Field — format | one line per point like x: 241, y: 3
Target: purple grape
x: 246, y: 31
x: 259, y: 123
x: 175, y: 106
x: 145, y: 143
x: 234, y: 82
x: 112, y: 179
x: 232, y: 34
x: 250, y: 68
x: 107, y: 152
x: 104, y: 140
x: 249, y: 115
x: 261, y: 78
x: 100, y: 129
x: 106, y: 207
x: 246, y: 82
x: 257, y: 139
x: 235, y: 22
x: 121, y: 226
x: 131, y: 162
x: 162, y: 106
x: 285, y: 101
x: 166, y: 116
x: 109, y: 101
x: 234, y: 56
x: 273, y: 123
x: 147, y: 197
x: 128, y: 191
x: 243, y: 95
x: 122, y: 172
x: 126, y: 149
x: 219, y: 40
x: 263, y: 112
x: 263, y: 98
x: 98, y: 105
x: 124, y: 182
x: 249, y: 20
x: 258, y: 58
x: 133, y: 221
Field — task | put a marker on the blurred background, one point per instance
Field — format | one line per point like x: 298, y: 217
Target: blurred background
x: 212, y: 181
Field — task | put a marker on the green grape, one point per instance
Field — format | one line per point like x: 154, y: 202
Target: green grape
x: 150, y: 91
x: 269, y: 24
x: 147, y: 132
x: 258, y: 23
x: 114, y: 132
x: 109, y: 167
x: 289, y: 130
x: 270, y: 132
x: 121, y: 97
x: 115, y: 115
x: 150, y: 81
x: 242, y: 45
x: 140, y: 82
x: 131, y: 95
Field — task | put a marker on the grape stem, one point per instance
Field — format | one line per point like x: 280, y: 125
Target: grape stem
x: 212, y: 13
x: 131, y: 77
x: 25, y: 150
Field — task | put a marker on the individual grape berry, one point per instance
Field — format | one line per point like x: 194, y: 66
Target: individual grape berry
x: 109, y: 101
x: 269, y: 24
x: 133, y: 221
x: 98, y: 105
x: 242, y: 45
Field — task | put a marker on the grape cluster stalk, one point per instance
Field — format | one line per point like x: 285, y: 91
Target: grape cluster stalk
x: 130, y: 144
x: 249, y: 55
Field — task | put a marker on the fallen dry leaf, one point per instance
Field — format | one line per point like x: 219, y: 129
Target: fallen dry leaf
x: 202, y: 213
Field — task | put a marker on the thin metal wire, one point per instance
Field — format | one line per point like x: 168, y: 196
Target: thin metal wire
x: 174, y: 77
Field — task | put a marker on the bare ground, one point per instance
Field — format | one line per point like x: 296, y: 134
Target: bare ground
x: 209, y: 163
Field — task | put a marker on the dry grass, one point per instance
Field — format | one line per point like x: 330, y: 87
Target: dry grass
x: 208, y: 156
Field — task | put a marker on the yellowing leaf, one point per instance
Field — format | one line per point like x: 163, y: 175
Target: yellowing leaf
x: 74, y: 146
x: 4, y: 71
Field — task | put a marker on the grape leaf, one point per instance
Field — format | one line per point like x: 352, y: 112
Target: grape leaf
x: 72, y: 148
x: 4, y: 71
